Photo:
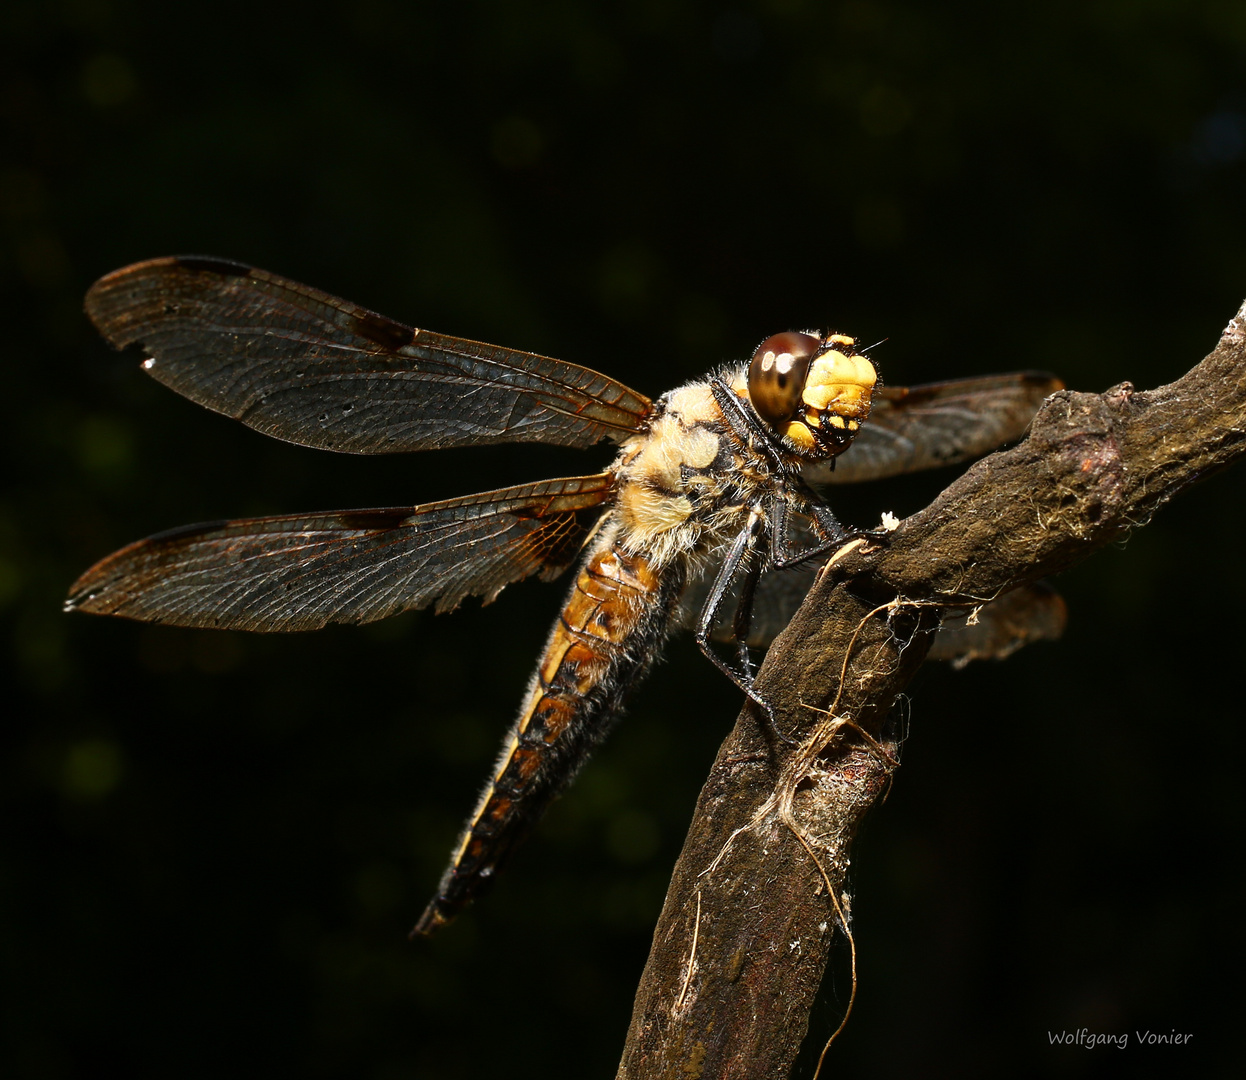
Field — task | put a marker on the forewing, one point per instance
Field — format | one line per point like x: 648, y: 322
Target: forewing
x: 923, y: 427
x: 303, y: 571
x: 304, y: 366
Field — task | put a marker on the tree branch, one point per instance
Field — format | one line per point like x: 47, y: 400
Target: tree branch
x: 759, y: 889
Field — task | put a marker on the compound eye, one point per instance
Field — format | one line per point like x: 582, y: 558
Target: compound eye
x: 777, y: 375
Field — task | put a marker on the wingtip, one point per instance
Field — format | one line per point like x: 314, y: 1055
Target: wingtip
x: 110, y: 302
x: 79, y: 597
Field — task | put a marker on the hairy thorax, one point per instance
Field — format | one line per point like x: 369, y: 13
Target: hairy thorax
x: 686, y: 486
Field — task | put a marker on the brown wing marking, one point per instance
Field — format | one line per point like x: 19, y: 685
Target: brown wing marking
x: 301, y: 572
x: 301, y: 365
x: 923, y: 427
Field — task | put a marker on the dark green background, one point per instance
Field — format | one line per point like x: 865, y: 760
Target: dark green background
x: 213, y: 845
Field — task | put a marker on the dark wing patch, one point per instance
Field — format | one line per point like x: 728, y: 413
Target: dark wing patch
x: 924, y: 427
x: 303, y: 571
x: 301, y: 365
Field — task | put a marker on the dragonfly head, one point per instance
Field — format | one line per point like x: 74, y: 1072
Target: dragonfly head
x: 812, y: 391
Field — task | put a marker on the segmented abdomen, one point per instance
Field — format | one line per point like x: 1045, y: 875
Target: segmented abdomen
x: 609, y: 632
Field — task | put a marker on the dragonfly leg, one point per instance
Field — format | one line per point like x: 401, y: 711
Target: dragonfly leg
x: 742, y: 559
x: 785, y: 554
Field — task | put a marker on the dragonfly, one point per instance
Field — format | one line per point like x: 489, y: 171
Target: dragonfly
x: 714, y: 487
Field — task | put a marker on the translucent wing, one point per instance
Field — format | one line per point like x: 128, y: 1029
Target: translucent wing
x: 1034, y: 612
x: 923, y: 427
x: 301, y: 365
x: 303, y: 571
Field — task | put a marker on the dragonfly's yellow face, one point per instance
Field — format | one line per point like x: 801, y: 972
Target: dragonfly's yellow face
x: 813, y: 391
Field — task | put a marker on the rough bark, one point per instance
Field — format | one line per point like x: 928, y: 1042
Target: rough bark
x: 759, y: 889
